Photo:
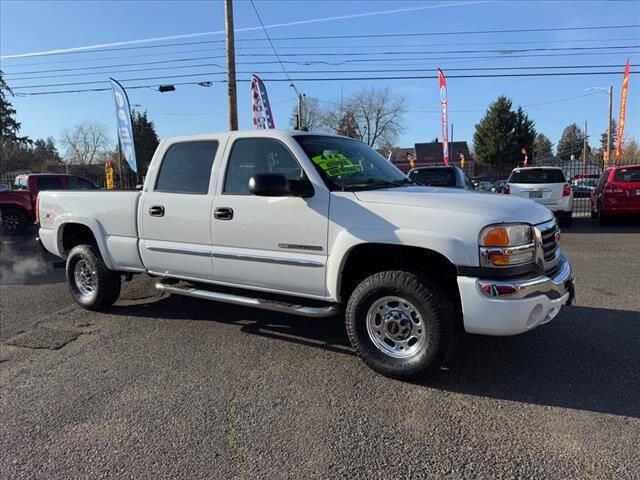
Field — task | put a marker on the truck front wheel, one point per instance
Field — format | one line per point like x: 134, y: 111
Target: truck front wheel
x: 92, y: 285
x: 401, y: 324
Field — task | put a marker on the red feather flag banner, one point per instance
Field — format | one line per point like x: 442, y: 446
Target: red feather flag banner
x: 623, y: 108
x: 442, y: 86
x: 262, y: 115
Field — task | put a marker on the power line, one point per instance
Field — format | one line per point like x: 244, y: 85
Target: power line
x: 120, y: 57
x: 338, y: 37
x: 329, y: 79
x: 266, y: 34
x: 468, y: 32
x: 504, y: 54
x: 386, y: 70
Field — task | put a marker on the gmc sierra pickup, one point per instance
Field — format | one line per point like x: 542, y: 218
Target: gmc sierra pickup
x: 313, y: 225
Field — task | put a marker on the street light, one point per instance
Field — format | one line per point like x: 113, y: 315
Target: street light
x: 300, y: 97
x: 604, y: 90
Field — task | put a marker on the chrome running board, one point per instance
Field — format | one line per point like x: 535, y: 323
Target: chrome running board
x: 273, y: 305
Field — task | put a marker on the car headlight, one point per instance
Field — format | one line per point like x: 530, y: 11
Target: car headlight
x: 506, y: 245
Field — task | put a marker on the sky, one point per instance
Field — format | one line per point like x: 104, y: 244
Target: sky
x: 552, y: 102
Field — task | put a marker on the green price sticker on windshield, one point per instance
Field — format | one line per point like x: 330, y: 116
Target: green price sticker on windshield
x: 334, y: 164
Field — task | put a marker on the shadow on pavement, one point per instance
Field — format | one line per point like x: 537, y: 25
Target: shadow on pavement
x: 326, y: 333
x: 587, y: 225
x: 588, y: 358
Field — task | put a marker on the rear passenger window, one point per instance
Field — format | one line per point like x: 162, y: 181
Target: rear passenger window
x: 49, y: 183
x: 76, y: 183
x: 186, y: 168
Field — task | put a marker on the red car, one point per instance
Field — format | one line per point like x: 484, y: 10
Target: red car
x: 617, y: 193
x: 18, y: 206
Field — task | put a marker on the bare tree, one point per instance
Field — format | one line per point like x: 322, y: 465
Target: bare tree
x: 312, y: 115
x: 85, y: 143
x: 374, y: 116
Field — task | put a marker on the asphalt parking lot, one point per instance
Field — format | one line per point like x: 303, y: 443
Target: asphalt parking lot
x: 174, y: 387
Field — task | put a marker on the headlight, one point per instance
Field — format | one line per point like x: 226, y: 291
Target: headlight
x: 506, y: 245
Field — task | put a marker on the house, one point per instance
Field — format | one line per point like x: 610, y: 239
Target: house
x: 431, y: 154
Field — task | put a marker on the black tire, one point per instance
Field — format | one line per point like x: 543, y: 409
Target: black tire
x: 434, y: 308
x: 105, y: 284
x: 14, y: 221
x: 566, y: 221
x: 602, y: 218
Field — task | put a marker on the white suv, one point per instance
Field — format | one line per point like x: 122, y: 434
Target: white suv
x: 545, y: 185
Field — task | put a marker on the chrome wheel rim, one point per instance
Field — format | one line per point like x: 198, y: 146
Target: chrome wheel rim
x: 85, y: 278
x: 395, y: 326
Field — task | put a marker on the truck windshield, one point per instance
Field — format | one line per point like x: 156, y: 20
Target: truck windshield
x: 347, y: 164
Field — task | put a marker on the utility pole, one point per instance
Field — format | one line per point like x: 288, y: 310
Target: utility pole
x: 609, y: 126
x: 584, y: 150
x: 231, y: 65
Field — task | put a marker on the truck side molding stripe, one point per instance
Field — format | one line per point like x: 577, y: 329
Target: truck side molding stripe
x: 184, y: 251
x: 281, y: 261
x: 238, y: 256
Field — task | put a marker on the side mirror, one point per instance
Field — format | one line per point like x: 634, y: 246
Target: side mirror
x: 277, y: 185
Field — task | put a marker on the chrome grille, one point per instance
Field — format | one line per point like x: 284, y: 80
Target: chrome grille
x: 550, y: 243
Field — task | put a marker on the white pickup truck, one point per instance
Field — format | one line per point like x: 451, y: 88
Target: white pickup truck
x: 314, y: 225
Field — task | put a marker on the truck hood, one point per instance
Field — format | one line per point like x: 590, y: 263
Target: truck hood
x: 496, y: 207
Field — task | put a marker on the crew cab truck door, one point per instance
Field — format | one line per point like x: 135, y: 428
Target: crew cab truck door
x: 272, y: 243
x: 175, y: 211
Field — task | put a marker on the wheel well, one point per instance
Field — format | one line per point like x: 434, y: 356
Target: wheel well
x: 76, y: 234
x: 367, y: 259
x: 16, y: 206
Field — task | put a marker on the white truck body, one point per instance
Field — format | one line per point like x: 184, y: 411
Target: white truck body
x: 299, y: 246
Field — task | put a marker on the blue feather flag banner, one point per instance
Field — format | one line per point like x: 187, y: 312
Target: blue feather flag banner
x: 123, y: 120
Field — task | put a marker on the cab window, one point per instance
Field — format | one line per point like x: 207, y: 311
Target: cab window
x: 76, y: 183
x: 49, y: 183
x: 186, y: 168
x: 258, y: 155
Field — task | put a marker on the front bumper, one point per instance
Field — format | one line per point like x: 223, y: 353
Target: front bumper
x: 510, y: 307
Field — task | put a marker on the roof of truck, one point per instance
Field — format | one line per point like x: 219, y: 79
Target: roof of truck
x: 268, y: 133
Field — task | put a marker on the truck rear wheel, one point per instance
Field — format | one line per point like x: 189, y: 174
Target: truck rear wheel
x: 14, y: 221
x: 400, y: 324
x: 92, y: 285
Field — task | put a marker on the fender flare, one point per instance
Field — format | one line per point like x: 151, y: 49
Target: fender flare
x: 92, y: 224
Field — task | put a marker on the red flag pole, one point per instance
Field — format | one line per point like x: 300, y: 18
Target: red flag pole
x: 623, y: 108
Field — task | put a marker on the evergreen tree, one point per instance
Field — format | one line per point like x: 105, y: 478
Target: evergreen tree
x: 524, y: 132
x: 571, y: 143
x: 542, y: 146
x: 495, y: 143
x: 11, y: 143
x: 614, y: 137
x: 145, y: 140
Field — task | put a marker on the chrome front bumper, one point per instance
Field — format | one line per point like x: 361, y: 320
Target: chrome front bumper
x: 552, y: 287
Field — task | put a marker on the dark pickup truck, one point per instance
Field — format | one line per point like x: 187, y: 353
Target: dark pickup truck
x: 18, y: 206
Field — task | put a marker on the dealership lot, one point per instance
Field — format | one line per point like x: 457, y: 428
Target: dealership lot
x: 174, y: 387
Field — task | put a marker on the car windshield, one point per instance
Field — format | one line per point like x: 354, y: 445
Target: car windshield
x: 537, y: 175
x: 435, y: 177
x: 627, y: 175
x: 347, y: 164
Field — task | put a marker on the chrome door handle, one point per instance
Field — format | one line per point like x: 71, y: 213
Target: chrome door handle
x: 156, y: 211
x: 223, y: 213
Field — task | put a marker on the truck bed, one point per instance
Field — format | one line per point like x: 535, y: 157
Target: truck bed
x: 111, y: 215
